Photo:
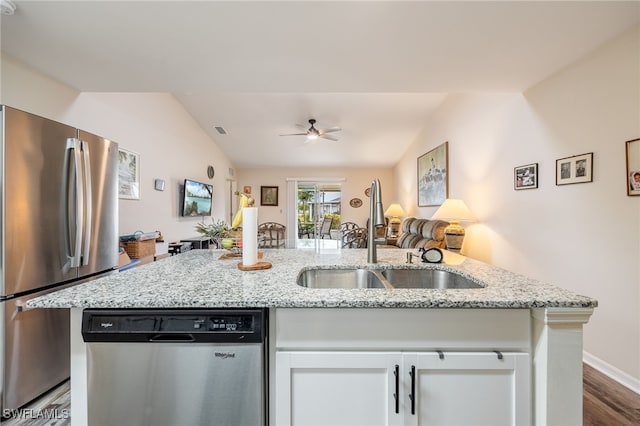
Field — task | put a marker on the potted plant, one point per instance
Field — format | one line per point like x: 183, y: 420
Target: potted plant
x: 219, y: 232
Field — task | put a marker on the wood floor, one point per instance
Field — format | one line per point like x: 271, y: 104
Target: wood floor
x: 51, y: 409
x: 606, y: 403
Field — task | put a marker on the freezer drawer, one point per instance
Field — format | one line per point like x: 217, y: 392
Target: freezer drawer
x: 35, y: 350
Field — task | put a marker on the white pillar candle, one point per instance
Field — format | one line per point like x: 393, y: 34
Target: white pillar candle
x: 249, y: 236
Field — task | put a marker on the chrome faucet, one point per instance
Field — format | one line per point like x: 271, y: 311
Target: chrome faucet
x: 376, y: 218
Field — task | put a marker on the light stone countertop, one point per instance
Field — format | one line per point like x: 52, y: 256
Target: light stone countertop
x: 198, y: 278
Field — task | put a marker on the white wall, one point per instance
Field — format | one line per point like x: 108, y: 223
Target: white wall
x: 356, y: 180
x: 170, y: 143
x: 582, y: 237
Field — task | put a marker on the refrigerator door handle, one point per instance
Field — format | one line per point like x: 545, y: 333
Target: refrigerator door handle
x: 87, y: 203
x: 73, y: 145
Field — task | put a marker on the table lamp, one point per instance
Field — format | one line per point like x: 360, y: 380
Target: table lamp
x: 395, y: 211
x: 454, y: 211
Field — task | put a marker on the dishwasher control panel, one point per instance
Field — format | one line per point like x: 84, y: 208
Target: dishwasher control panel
x: 174, y: 325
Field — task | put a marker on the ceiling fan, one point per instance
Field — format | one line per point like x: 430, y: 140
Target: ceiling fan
x: 312, y: 133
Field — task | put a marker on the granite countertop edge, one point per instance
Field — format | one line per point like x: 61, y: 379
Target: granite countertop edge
x: 200, y: 279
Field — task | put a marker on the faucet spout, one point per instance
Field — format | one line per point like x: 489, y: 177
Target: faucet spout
x: 376, y: 218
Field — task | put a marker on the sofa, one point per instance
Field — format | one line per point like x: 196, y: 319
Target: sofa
x: 417, y: 233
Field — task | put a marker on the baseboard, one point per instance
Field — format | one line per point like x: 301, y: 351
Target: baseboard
x: 609, y: 370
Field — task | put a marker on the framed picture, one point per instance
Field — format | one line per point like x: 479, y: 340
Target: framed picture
x: 576, y: 169
x: 128, y: 174
x: 633, y: 167
x: 246, y: 189
x: 433, y: 181
x: 525, y: 177
x: 268, y: 195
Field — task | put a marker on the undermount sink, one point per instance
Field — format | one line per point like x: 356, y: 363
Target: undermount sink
x: 339, y: 278
x: 427, y: 278
x: 386, y: 278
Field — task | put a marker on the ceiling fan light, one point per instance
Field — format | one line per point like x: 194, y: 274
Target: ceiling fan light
x: 312, y: 136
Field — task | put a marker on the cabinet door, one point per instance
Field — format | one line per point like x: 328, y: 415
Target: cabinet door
x: 467, y: 389
x: 337, y: 388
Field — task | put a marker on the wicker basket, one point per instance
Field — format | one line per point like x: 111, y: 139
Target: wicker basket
x: 137, y: 249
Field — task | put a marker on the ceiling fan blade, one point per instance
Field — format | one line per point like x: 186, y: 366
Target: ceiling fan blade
x: 294, y: 134
x: 332, y: 129
x: 330, y: 137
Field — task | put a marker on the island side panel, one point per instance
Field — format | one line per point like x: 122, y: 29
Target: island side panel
x: 79, y: 404
x: 557, y: 365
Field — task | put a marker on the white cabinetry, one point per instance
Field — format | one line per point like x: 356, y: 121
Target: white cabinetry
x: 467, y: 389
x: 330, y: 362
x: 398, y: 388
x: 336, y: 388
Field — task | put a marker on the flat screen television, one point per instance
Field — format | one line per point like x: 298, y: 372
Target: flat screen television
x: 198, y: 198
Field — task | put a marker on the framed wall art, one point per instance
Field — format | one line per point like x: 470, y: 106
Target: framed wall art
x: 525, y: 177
x: 268, y: 195
x: 576, y: 169
x: 633, y: 167
x: 128, y: 174
x: 433, y: 180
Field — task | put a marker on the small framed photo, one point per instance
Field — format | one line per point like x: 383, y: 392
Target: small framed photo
x: 128, y: 174
x: 159, y: 184
x: 525, y: 177
x: 633, y: 167
x: 268, y: 195
x: 576, y: 169
x: 246, y: 189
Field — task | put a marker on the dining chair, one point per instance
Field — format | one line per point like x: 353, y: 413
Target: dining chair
x: 355, y: 238
x: 325, y: 227
x: 271, y: 235
x: 304, y: 230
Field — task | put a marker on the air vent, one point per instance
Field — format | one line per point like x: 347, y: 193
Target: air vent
x: 221, y: 130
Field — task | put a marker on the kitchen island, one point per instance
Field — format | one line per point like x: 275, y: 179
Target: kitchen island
x: 534, y: 326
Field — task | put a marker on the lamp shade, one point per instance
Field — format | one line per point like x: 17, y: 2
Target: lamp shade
x: 454, y: 210
x: 395, y: 210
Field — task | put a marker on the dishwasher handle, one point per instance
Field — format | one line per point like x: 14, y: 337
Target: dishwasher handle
x: 172, y: 338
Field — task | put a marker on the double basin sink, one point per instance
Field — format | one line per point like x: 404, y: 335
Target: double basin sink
x: 384, y: 278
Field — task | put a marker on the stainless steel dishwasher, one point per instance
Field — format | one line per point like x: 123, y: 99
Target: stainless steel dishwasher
x: 176, y: 367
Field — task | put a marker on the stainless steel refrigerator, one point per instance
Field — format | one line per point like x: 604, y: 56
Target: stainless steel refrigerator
x: 59, y: 218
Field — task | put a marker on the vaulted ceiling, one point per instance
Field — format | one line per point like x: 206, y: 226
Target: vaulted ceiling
x: 376, y: 69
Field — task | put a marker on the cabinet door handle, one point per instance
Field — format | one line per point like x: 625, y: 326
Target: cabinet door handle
x: 396, y: 396
x: 412, y: 395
